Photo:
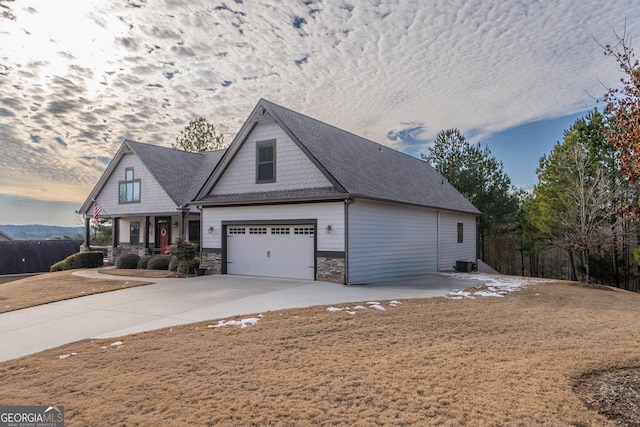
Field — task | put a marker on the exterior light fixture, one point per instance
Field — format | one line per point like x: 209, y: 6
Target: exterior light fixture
x: 328, y: 229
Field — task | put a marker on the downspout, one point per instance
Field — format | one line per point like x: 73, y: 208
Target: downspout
x: 438, y: 241
x: 347, y: 202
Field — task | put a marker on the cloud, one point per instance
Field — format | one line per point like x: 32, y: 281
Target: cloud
x: 83, y: 78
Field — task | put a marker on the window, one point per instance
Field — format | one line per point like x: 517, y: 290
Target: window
x: 236, y: 230
x: 280, y: 230
x: 134, y: 233
x: 129, y: 188
x: 303, y: 230
x: 258, y: 230
x: 460, y: 232
x: 194, y: 231
x: 265, y: 162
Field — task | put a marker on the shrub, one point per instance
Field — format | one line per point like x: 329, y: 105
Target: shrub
x: 186, y: 252
x: 128, y: 261
x: 142, y: 264
x: 173, y: 264
x: 58, y: 266
x: 158, y: 262
x: 90, y: 259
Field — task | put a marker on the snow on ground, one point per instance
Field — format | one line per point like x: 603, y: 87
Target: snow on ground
x: 370, y: 305
x: 243, y: 323
x: 493, y: 285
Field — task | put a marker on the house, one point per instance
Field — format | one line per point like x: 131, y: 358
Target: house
x: 146, y: 190
x: 295, y: 197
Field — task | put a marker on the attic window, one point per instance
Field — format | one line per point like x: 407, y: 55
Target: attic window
x: 265, y: 161
x: 129, y: 189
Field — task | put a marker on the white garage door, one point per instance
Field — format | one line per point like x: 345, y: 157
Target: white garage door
x: 271, y: 250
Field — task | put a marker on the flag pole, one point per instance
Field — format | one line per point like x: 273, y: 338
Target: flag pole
x: 96, y: 212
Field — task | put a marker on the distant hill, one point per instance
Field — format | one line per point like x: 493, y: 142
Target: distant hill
x: 41, y: 232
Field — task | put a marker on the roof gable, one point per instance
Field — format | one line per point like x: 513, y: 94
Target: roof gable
x: 179, y: 173
x: 354, y: 165
x: 367, y: 169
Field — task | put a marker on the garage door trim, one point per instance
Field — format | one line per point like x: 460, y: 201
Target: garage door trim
x: 232, y: 223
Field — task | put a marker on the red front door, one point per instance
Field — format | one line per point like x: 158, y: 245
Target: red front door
x: 163, y: 233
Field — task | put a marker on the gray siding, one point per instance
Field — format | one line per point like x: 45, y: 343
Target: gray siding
x: 153, y: 198
x: 294, y: 170
x: 388, y: 241
x: 450, y: 250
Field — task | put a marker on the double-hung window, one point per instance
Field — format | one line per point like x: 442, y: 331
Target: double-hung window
x: 129, y: 191
x: 265, y: 161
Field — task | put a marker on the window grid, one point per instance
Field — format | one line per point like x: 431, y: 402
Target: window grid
x: 280, y: 230
x: 129, y: 189
x: 304, y: 230
x: 265, y: 161
x: 258, y: 230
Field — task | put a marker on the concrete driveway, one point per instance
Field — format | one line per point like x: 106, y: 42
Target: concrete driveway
x: 171, y: 302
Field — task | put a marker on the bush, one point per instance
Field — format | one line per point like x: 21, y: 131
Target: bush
x: 186, y: 252
x: 91, y: 259
x: 128, y: 261
x: 158, y: 262
x: 142, y: 264
x: 173, y: 264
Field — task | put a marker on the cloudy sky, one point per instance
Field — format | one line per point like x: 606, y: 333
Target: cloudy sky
x: 77, y: 76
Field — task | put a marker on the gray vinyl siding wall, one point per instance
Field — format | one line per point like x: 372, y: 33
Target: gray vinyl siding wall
x: 450, y: 250
x: 153, y: 198
x: 388, y: 241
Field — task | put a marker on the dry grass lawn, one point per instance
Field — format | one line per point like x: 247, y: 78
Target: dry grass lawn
x: 58, y: 286
x: 511, y: 361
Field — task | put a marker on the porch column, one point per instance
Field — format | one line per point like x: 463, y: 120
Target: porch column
x: 146, y: 234
x: 183, y: 222
x: 115, y: 232
x: 87, y: 233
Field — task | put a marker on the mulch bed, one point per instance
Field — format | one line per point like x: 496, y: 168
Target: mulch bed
x: 614, y: 394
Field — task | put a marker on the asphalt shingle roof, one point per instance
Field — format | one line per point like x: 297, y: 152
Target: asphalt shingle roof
x: 181, y: 173
x: 367, y: 169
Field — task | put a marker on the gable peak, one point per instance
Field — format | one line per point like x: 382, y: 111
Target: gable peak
x: 261, y: 114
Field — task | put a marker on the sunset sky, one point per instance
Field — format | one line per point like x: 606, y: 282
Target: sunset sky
x: 77, y: 76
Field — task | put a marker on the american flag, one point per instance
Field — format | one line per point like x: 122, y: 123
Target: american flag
x: 96, y: 214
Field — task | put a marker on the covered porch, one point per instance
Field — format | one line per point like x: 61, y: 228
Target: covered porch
x: 148, y: 234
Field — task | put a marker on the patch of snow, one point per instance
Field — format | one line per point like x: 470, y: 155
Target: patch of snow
x: 360, y: 307
x: 377, y: 307
x: 394, y: 303
x: 116, y: 344
x: 351, y: 312
x: 373, y: 303
x: 242, y: 323
x: 488, y: 294
x: 334, y: 309
x: 497, y: 285
x: 460, y: 295
x: 65, y: 356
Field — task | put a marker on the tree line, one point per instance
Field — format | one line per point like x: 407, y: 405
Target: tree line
x: 580, y: 221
